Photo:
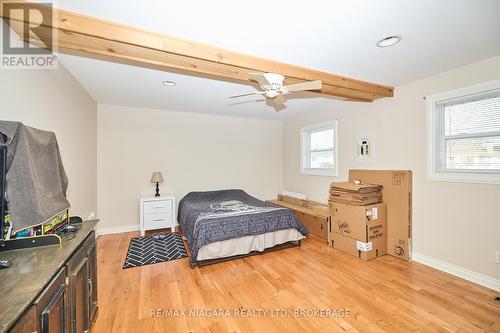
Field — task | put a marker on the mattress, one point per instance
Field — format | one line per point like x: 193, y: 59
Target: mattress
x: 247, y: 244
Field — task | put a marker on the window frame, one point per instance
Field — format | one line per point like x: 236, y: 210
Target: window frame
x: 436, y: 139
x: 330, y: 172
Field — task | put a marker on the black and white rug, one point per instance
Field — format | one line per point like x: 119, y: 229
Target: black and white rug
x: 151, y: 250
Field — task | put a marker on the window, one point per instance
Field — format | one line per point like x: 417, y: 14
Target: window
x: 464, y: 134
x: 319, y: 152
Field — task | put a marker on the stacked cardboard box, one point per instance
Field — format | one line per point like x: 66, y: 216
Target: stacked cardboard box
x: 358, y: 219
x: 397, y: 188
x: 355, y: 193
x: 358, y: 230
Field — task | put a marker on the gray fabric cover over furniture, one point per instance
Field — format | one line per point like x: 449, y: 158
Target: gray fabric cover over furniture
x: 36, y: 180
x: 208, y: 217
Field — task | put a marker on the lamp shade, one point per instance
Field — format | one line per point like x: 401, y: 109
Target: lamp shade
x: 156, y: 177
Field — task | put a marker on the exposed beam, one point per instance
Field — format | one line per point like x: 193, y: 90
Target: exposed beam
x: 96, y: 38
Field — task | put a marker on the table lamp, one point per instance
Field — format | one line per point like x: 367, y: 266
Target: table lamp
x: 157, y: 178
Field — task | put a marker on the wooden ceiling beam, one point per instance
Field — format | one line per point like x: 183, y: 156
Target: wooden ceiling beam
x: 96, y: 38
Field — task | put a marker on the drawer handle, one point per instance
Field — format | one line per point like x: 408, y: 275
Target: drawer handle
x: 158, y: 207
x: 158, y: 220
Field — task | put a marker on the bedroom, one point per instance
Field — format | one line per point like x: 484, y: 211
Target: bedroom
x: 117, y: 121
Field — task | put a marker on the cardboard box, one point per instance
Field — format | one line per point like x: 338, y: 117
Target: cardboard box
x: 359, y: 194
x: 363, y: 223
x: 358, y: 230
x: 397, y: 192
x: 353, y: 187
x: 365, y: 251
x: 356, y: 199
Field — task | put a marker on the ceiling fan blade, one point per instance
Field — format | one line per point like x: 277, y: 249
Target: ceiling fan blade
x: 260, y: 78
x: 248, y: 94
x: 280, y: 107
x: 280, y: 99
x: 277, y: 103
x: 246, y: 102
x: 277, y: 107
x: 312, y: 85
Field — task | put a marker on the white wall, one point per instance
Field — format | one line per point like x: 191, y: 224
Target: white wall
x: 454, y: 222
x: 193, y: 151
x: 53, y: 100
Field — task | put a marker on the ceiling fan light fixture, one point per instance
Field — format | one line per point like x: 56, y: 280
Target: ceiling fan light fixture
x: 271, y: 93
x: 389, y: 41
x: 274, y: 90
x: 168, y: 83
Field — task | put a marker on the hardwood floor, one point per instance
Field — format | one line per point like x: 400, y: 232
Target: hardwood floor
x: 383, y: 295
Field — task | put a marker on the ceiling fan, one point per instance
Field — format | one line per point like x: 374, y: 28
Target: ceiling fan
x: 274, y: 90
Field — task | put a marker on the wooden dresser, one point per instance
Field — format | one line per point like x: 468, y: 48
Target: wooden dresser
x: 313, y: 215
x: 51, y: 288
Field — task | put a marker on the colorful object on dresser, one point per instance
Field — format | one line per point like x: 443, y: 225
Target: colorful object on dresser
x: 54, y: 231
x: 51, y: 227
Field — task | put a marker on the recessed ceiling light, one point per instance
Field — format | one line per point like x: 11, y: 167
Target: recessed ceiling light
x: 168, y: 83
x: 388, y: 41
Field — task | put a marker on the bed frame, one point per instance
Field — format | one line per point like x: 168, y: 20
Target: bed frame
x: 287, y: 245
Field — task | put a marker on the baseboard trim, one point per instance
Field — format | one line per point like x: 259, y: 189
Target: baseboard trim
x: 116, y: 230
x: 464, y: 273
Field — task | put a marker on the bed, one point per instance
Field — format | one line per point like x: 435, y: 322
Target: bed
x: 229, y: 224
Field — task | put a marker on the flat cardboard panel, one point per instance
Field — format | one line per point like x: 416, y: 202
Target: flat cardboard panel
x: 397, y: 192
x: 354, y: 187
x: 358, y: 222
x: 356, y: 199
x: 349, y: 246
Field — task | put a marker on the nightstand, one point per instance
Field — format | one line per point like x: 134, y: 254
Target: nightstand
x: 157, y: 213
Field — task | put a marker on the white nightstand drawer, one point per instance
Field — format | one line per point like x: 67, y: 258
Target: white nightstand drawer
x: 158, y: 221
x: 156, y: 207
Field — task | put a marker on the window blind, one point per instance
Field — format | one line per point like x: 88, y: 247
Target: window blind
x: 471, y: 134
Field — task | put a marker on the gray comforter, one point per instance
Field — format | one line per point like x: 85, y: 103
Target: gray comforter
x: 208, y: 217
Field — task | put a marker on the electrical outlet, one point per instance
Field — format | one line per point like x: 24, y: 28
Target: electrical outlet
x: 498, y: 257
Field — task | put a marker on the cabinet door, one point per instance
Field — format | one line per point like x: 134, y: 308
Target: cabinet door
x: 79, y: 284
x: 28, y: 322
x: 52, y: 305
x: 78, y: 274
x: 93, y: 304
x: 53, y: 316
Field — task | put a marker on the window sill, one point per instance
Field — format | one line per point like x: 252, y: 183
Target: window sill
x: 319, y: 172
x: 465, y: 177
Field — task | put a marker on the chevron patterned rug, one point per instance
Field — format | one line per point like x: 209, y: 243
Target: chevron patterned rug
x: 150, y: 250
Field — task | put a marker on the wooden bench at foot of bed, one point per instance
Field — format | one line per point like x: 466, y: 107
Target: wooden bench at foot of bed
x: 312, y: 214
